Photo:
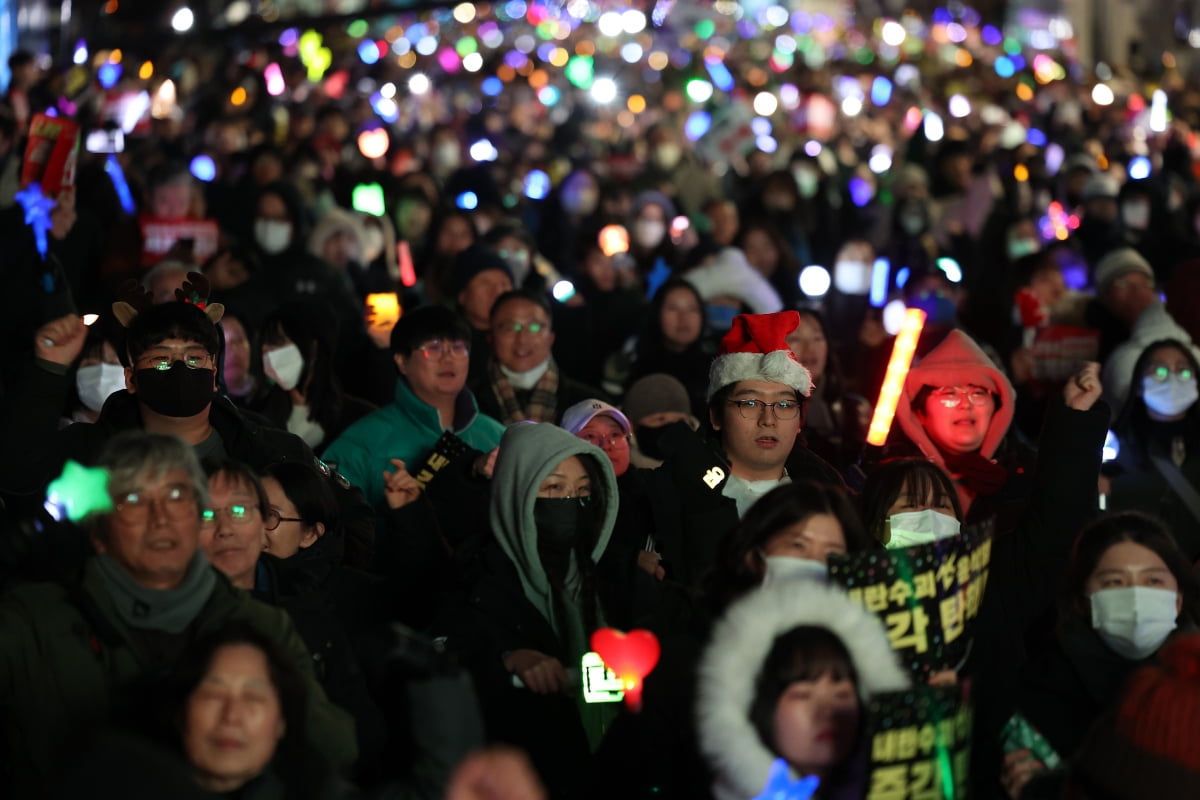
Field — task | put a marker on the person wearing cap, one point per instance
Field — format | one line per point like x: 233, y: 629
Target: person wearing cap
x: 522, y: 379
x: 1100, y: 229
x: 479, y: 276
x: 652, y: 403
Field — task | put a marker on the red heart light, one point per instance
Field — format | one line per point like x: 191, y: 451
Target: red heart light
x: 632, y: 656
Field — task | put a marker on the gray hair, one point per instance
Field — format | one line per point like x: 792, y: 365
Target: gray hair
x: 132, y: 457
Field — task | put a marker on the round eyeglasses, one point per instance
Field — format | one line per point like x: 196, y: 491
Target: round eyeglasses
x: 753, y: 409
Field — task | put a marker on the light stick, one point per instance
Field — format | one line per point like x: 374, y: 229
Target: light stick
x: 37, y: 213
x: 897, y: 371
x: 632, y: 656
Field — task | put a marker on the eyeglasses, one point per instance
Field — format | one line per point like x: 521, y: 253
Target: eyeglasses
x: 955, y: 396
x: 753, y: 409
x: 238, y: 515
x: 513, y: 328
x: 1162, y: 374
x: 134, y: 507
x: 612, y: 440
x: 435, y: 348
x: 189, y: 360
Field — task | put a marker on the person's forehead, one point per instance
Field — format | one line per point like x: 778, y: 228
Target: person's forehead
x: 154, y: 478
x: 489, y: 277
x: 762, y: 388
x: 522, y: 310
x: 603, y: 420
x: 229, y: 485
x: 177, y: 344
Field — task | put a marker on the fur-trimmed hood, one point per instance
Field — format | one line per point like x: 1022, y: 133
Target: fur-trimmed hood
x: 733, y: 660
x: 957, y: 361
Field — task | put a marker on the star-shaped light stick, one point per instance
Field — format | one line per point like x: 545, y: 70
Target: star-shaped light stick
x: 37, y: 213
x: 80, y: 491
x: 780, y: 785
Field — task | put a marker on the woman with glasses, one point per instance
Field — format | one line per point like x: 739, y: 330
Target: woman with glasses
x: 1158, y: 433
x: 529, y: 602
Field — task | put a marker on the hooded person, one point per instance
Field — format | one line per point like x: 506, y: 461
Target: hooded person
x: 530, y: 605
x: 956, y: 408
x: 776, y: 637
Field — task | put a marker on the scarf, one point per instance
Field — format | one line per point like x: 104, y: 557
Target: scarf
x: 978, y: 474
x: 542, y: 397
x: 167, y: 610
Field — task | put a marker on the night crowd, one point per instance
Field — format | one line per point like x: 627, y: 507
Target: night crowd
x: 374, y: 478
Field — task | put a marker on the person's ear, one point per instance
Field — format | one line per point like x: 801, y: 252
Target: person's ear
x: 281, y: 729
x: 401, y: 364
x: 130, y: 383
x: 755, y: 563
x: 1178, y: 603
x: 311, y: 535
x: 714, y: 419
x: 551, y: 338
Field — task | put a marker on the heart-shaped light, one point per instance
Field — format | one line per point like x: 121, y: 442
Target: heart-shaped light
x: 374, y: 143
x: 632, y: 656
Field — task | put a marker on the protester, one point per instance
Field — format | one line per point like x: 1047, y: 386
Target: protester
x: 673, y: 341
x: 651, y: 404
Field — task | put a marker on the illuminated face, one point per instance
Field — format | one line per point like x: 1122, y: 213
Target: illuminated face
x: 959, y: 428
x: 909, y: 501
x: 172, y: 200
x: 761, y: 251
x: 607, y: 434
x: 1130, y: 564
x: 816, y: 723
x: 436, y: 370
x: 233, y: 719
x: 154, y: 529
x: 812, y: 538
x: 681, y: 319
x: 237, y: 351
x: 809, y: 345
x: 292, y: 535
x: 521, y: 335
x: 234, y: 536
x: 756, y: 441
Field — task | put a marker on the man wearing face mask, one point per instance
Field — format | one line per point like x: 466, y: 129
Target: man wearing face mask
x: 675, y: 171
x: 171, y: 388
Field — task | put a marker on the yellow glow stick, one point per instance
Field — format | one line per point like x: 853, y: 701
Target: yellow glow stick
x: 897, y: 371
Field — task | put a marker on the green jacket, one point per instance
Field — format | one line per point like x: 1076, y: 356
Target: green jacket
x: 66, y: 656
x: 407, y: 429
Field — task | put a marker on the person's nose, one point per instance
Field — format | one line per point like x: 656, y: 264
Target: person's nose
x: 233, y: 711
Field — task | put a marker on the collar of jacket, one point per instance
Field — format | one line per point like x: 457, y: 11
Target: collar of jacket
x: 426, y: 416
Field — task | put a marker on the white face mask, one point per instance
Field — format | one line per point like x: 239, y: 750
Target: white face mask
x: 807, y: 182
x: 373, y: 242
x: 1170, y: 397
x: 649, y: 233
x: 1136, y: 215
x: 447, y: 157
x: 1018, y: 248
x: 97, y: 381
x: 284, y: 366
x: 913, y: 528
x: 273, y: 235
x: 1134, y: 620
x: 785, y: 568
x: 666, y: 156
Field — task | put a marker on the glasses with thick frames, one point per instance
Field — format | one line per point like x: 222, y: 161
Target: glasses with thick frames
x: 753, y: 409
x: 239, y: 515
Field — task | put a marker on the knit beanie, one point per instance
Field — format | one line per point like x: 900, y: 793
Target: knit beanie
x: 1120, y: 262
x: 472, y: 261
x: 755, y: 349
x: 655, y: 394
x: 1149, y: 745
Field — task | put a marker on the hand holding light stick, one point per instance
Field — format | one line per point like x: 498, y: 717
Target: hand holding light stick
x: 897, y: 371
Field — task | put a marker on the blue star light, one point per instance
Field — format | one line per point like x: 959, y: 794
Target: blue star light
x: 780, y: 785
x: 37, y: 213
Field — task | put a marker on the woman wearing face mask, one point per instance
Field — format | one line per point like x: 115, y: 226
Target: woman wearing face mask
x: 1127, y: 588
x: 779, y: 203
x: 305, y: 396
x: 98, y: 374
x: 650, y: 232
x: 787, y: 674
x: 1158, y: 463
x: 673, y: 342
x: 789, y: 533
x: 529, y: 599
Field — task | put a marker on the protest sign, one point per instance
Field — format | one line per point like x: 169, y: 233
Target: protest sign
x: 160, y: 235
x: 920, y: 745
x: 50, y: 154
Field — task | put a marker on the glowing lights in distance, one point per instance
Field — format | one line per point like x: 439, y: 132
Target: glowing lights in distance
x: 815, y: 280
x: 182, y: 20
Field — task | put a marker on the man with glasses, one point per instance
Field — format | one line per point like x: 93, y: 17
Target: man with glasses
x: 430, y: 347
x: 523, y: 381
x: 171, y: 388
x: 77, y: 657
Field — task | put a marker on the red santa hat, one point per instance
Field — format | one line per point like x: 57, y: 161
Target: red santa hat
x: 755, y: 349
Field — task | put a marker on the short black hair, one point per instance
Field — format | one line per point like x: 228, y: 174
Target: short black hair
x: 537, y: 298
x: 173, y: 320
x: 922, y: 478
x: 427, y: 322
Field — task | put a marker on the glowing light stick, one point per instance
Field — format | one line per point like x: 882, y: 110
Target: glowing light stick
x: 113, y: 168
x: 632, y: 656
x: 37, y: 213
x: 614, y: 239
x: 897, y: 371
x: 384, y: 311
x: 408, y: 275
x: 780, y: 785
x: 78, y: 492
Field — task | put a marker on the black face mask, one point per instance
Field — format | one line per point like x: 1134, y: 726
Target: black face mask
x: 648, y: 441
x: 175, y: 392
x: 560, y: 521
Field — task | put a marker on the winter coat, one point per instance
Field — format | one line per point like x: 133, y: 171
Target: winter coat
x: 29, y: 425
x: 276, y: 405
x: 407, y: 429
x: 68, y: 663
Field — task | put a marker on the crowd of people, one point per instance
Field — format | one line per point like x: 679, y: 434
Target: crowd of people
x: 345, y: 551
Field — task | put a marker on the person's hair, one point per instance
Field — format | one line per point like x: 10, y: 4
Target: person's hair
x: 512, y: 295
x: 1125, y: 526
x: 240, y: 474
x: 173, y: 320
x: 428, y: 322
x: 504, y: 230
x: 309, y: 492
x: 168, y: 173
x: 831, y: 383
x: 314, y: 332
x: 805, y: 653
x: 921, y: 478
x: 788, y: 265
x: 1133, y: 425
x: 585, y: 542
x: 1026, y: 268
x: 132, y: 456
x: 650, y: 341
x: 190, y: 670
x: 440, y: 220
x: 20, y: 58
x: 740, y: 551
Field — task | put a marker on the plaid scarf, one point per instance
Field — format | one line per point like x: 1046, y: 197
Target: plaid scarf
x: 542, y: 397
